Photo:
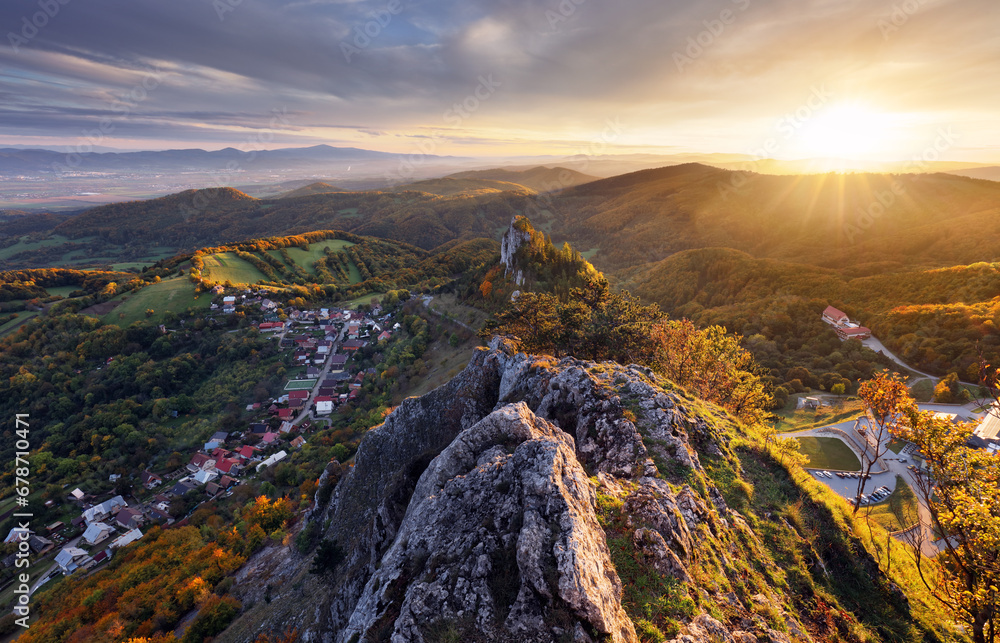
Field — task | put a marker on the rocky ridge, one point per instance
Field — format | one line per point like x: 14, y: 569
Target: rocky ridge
x: 474, y: 513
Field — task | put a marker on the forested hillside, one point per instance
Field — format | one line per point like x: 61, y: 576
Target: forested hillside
x: 858, y: 221
x: 715, y: 245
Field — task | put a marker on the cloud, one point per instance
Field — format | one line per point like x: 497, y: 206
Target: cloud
x: 565, y: 65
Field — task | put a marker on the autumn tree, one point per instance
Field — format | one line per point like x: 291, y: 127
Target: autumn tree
x: 884, y: 398
x: 711, y: 364
x: 961, y: 489
x: 598, y: 324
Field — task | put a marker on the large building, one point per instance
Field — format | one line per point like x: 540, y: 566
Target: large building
x: 835, y: 317
x: 846, y: 329
x: 853, y: 332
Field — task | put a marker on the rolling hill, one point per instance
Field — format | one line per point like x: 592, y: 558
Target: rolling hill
x: 454, y: 186
x: 197, y: 218
x: 540, y: 179
x: 829, y: 220
x: 311, y: 189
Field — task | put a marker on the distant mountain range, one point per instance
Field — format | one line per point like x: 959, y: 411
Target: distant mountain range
x: 20, y: 161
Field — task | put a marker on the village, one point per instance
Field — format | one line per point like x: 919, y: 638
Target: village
x: 317, y: 345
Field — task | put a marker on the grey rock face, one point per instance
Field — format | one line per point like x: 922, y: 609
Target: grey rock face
x: 501, y: 540
x: 469, y: 513
x: 512, y: 240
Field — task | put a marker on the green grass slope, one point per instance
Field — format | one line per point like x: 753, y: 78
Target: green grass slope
x: 175, y: 294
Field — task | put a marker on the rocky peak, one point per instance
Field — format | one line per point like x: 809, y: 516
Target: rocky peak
x: 542, y: 500
x: 472, y: 510
x: 518, y: 234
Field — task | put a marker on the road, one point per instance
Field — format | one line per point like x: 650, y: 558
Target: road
x: 307, y: 411
x: 877, y: 346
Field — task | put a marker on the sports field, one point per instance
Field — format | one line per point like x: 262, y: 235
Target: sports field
x: 828, y: 453
x: 300, y: 385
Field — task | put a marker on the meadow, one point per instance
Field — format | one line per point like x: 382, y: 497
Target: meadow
x: 176, y: 294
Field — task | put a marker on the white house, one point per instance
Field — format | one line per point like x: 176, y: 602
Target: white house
x: 126, y: 539
x: 324, y: 408
x: 71, y: 558
x: 835, y: 317
x: 97, y: 532
x: 277, y: 457
x: 15, y: 535
x: 103, y: 510
x: 204, y: 477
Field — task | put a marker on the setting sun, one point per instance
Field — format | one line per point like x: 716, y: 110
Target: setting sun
x: 845, y: 130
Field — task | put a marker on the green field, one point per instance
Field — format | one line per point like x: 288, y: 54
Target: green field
x: 22, y: 246
x: 899, y: 510
x: 306, y: 258
x: 21, y: 317
x: 61, y: 291
x: 828, y: 453
x: 790, y: 419
x: 364, y: 299
x: 923, y: 390
x: 226, y: 266
x: 300, y: 385
x: 175, y: 295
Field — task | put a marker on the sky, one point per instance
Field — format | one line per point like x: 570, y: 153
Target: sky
x: 865, y: 79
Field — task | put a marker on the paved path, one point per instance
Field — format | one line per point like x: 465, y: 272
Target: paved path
x: 307, y: 411
x: 877, y: 346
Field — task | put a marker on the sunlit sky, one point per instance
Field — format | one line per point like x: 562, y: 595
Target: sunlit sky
x: 859, y: 79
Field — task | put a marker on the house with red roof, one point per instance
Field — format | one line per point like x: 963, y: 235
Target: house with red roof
x: 150, y: 480
x: 853, y: 332
x: 202, y: 462
x: 835, y: 317
x: 269, y: 438
x: 229, y: 466
x: 298, y: 395
x: 285, y: 414
x: 247, y: 452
